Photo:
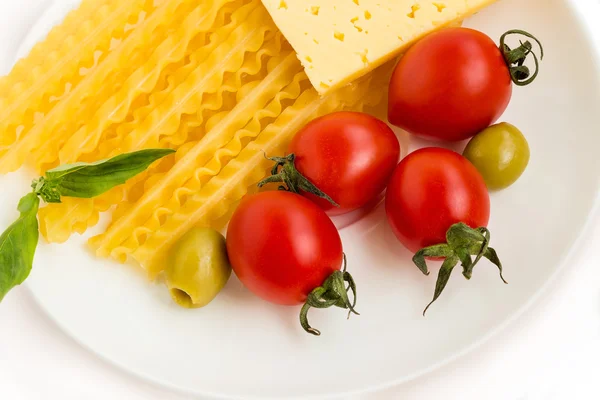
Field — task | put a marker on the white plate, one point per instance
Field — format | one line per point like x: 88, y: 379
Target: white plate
x: 243, y: 347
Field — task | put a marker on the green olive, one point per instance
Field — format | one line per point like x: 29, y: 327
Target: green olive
x: 198, y: 268
x: 500, y: 153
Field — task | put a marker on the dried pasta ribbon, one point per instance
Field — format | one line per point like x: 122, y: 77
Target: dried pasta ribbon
x: 71, y: 216
x: 215, y: 80
x: 219, y: 196
x: 252, y: 66
x: 52, y: 68
x: 217, y: 137
x: 203, y: 173
x: 82, y: 108
x: 52, y: 42
x: 189, y: 23
x: 367, y: 93
x: 127, y: 135
x: 206, y: 79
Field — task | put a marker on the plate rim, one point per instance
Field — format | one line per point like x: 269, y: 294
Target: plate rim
x: 580, y: 8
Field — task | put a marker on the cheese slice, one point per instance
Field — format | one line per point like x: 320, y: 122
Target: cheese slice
x: 338, y: 41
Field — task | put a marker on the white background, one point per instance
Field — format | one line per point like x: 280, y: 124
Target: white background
x: 552, y: 352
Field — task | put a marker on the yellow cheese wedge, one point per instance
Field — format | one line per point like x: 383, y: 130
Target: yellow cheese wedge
x: 339, y: 41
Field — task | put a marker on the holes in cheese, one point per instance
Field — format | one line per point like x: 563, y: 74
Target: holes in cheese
x: 337, y: 35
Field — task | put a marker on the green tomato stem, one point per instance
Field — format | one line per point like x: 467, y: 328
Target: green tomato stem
x: 284, y: 171
x: 515, y: 58
x: 334, y: 292
x: 462, y: 243
x: 47, y: 189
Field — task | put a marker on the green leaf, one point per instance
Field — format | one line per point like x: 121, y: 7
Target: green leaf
x: 465, y: 261
x: 482, y: 250
x: 17, y: 245
x: 85, y: 180
x: 491, y: 255
x: 436, y: 251
x: 443, y: 278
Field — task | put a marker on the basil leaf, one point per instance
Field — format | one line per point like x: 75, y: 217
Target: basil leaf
x: 17, y: 245
x: 85, y: 180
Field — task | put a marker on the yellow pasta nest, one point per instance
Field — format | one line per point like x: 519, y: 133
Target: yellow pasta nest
x: 214, y: 80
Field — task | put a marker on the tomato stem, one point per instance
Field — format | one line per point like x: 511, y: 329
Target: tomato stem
x: 515, y: 58
x: 284, y: 171
x: 334, y: 292
x: 462, y: 242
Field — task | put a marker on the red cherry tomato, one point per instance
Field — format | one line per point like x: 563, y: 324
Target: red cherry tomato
x: 282, y: 247
x: 431, y: 190
x: 450, y: 85
x: 349, y: 156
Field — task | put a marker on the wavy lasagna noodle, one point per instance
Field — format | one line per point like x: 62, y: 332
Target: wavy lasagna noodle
x: 263, y: 102
x: 213, y: 202
x: 186, y: 25
x: 223, y: 127
x: 233, y: 56
x: 140, y: 61
x: 104, y: 136
x: 56, y: 66
x: 214, y: 80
